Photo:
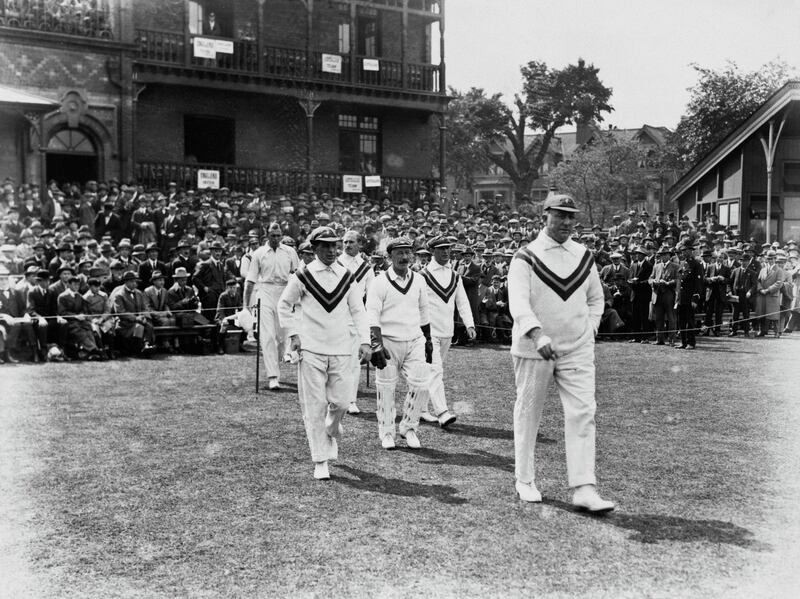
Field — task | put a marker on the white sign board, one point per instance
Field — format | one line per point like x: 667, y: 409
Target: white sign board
x: 207, y: 178
x: 372, y: 64
x: 351, y: 184
x: 332, y: 63
x: 224, y: 46
x: 372, y: 181
x: 205, y: 48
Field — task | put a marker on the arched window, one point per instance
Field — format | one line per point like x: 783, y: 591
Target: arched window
x: 71, y: 140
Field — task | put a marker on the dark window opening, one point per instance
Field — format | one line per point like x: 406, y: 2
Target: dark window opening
x: 209, y: 140
x: 359, y: 144
x: 791, y: 176
x: 369, y: 38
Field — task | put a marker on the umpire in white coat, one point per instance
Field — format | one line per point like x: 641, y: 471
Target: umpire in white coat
x: 321, y: 332
x: 556, y: 301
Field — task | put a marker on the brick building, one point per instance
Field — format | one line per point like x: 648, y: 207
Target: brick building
x: 288, y: 95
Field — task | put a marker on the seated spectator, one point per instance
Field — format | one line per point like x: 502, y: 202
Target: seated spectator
x: 97, y: 308
x: 229, y: 303
x: 134, y: 325
x: 79, y: 333
x: 13, y: 320
x: 42, y: 307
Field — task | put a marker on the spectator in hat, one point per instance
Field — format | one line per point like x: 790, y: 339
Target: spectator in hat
x: 233, y: 264
x: 13, y: 320
x: 663, y: 282
x: 688, y: 290
x: 184, y: 260
x: 494, y: 303
x: 79, y: 333
x: 209, y: 278
x: 157, y: 305
x: 716, y: 280
x: 639, y: 272
x: 42, y: 307
x: 108, y: 222
x: 768, y: 295
x: 470, y: 274
x: 134, y: 324
x: 96, y: 306
x: 556, y: 300
x: 742, y: 287
x: 150, y: 265
x: 181, y: 296
x: 64, y: 257
x: 172, y: 228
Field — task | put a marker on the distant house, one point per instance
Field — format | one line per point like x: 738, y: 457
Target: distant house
x: 731, y: 180
x: 495, y: 185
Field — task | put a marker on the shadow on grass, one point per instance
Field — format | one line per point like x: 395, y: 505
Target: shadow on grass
x: 477, y: 458
x: 652, y: 528
x: 369, y: 481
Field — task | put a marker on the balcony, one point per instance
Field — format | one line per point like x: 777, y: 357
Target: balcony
x: 169, y: 49
x: 85, y: 18
x: 158, y: 175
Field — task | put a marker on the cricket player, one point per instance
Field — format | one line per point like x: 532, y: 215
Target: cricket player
x: 400, y: 332
x: 445, y: 292
x: 321, y: 332
x: 556, y: 301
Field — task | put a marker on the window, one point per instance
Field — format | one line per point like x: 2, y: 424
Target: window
x: 344, y: 38
x: 195, y: 17
x: 359, y: 147
x: 729, y: 214
x: 791, y: 176
x: 209, y: 140
x: 369, y: 40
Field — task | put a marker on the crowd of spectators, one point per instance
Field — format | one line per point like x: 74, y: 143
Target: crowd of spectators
x: 96, y: 271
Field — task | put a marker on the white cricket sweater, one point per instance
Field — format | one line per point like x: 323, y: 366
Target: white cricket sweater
x: 398, y: 306
x: 556, y: 287
x: 445, y: 292
x: 329, y: 303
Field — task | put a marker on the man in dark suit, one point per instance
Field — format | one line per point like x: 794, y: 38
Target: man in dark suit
x: 108, y: 223
x: 78, y: 325
x: 209, y: 278
x: 690, y: 285
x: 150, y: 265
x: 717, y: 278
x: 470, y: 276
x: 233, y: 265
x: 229, y: 303
x: 742, y: 285
x: 639, y: 282
x: 663, y: 283
x: 42, y: 307
x: 12, y: 321
x: 64, y: 257
x: 183, y: 260
x: 211, y: 25
x: 171, y: 230
x: 135, y: 327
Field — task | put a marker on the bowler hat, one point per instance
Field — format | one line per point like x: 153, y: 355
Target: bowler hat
x: 130, y: 276
x: 180, y: 273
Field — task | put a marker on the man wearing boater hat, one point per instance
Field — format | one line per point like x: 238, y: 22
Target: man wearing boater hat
x: 445, y: 292
x: 556, y: 301
x: 330, y: 303
x: 400, y: 333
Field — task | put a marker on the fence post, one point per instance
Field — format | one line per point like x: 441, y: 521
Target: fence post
x: 258, y: 341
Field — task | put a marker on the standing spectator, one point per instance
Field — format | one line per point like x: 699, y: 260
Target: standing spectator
x: 689, y: 287
x: 150, y: 265
x: 768, y: 295
x: 108, y: 223
x: 663, y: 283
x: 209, y: 278
x: 639, y: 282
x: 743, y: 287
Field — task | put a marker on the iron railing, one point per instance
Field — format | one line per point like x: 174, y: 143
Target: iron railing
x: 87, y: 18
x: 169, y: 48
x: 158, y: 175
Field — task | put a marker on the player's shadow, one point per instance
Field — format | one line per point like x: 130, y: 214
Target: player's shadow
x: 652, y: 528
x: 477, y: 458
x: 369, y: 481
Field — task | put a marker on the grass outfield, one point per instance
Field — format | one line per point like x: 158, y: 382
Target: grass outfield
x: 172, y: 478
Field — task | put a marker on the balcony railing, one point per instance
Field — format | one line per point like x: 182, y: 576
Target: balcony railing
x: 158, y: 175
x: 169, y: 48
x: 87, y: 18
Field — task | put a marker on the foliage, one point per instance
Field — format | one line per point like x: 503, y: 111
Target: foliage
x: 491, y: 131
x: 602, y: 175
x: 719, y: 102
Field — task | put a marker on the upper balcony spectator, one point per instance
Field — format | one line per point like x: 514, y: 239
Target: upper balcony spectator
x: 89, y: 18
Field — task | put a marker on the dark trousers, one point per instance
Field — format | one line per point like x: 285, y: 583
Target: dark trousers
x: 713, y: 318
x: 741, y: 311
x: 686, y: 324
x: 640, y: 312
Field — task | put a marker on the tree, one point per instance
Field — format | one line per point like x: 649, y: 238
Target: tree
x: 492, y: 132
x: 719, y: 102
x: 602, y: 175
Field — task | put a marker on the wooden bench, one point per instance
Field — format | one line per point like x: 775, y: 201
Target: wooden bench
x: 172, y: 332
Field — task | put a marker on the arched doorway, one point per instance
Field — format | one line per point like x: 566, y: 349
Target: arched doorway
x: 71, y: 157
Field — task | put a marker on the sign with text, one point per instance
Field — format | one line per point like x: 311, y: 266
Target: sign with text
x: 372, y: 181
x: 207, y: 178
x: 224, y: 46
x: 332, y: 63
x: 204, y: 48
x: 372, y: 64
x: 351, y: 184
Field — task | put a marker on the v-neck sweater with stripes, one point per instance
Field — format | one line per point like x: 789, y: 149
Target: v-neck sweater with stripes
x: 554, y: 286
x: 398, y: 306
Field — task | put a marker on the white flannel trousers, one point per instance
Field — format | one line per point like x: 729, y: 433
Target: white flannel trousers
x: 574, y: 375
x: 441, y: 345
x: 271, y: 335
x: 323, y: 385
